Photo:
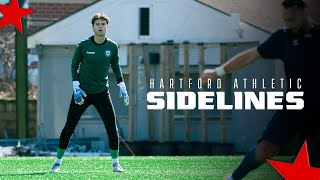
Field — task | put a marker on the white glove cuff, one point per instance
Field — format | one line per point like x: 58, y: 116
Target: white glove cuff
x: 76, y: 85
x: 122, y: 85
x: 220, y: 71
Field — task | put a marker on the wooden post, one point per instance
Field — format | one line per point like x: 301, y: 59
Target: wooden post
x: 223, y: 89
x: 148, y: 76
x: 186, y: 88
x: 202, y: 112
x: 22, y: 113
x: 131, y: 92
x: 163, y: 73
x: 172, y: 76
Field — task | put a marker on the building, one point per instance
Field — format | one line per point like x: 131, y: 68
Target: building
x: 152, y: 22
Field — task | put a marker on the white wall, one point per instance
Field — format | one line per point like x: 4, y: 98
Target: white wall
x: 177, y: 20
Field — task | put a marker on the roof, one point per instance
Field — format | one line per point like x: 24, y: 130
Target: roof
x: 250, y: 11
x: 265, y: 14
x: 260, y: 13
x: 48, y: 12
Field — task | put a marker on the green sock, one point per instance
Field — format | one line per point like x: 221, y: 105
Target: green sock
x: 60, y: 153
x: 114, y: 153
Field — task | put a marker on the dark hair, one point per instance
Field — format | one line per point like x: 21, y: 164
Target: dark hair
x: 100, y: 16
x: 294, y: 3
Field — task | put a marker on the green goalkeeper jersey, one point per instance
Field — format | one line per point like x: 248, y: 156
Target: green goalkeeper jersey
x: 91, y: 62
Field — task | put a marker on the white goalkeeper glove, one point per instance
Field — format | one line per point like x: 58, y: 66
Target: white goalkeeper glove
x: 78, y: 93
x: 123, y: 93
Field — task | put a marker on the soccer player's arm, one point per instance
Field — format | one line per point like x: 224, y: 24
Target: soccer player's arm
x: 241, y: 60
x: 235, y: 63
x: 78, y: 93
x: 271, y: 49
x: 77, y: 56
x: 115, y: 65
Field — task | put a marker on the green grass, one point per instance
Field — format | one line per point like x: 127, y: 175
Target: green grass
x: 139, y: 167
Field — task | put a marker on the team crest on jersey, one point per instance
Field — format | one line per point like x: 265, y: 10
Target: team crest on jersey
x: 295, y: 42
x: 108, y: 53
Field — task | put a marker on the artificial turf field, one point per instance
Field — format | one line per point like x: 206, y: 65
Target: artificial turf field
x: 136, y: 167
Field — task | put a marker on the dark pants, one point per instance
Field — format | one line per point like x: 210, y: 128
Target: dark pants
x: 102, y: 102
x: 286, y: 123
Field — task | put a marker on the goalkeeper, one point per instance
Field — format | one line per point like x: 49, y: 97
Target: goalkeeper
x: 90, y: 64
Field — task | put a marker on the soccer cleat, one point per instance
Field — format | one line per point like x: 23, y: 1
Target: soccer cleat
x: 229, y: 177
x: 55, y: 168
x: 117, y: 168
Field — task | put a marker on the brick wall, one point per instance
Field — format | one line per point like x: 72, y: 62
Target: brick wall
x: 8, y: 118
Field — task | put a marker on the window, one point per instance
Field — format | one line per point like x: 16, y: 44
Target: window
x: 144, y: 22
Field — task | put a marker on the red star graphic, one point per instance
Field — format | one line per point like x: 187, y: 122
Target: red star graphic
x: 300, y: 169
x: 12, y: 14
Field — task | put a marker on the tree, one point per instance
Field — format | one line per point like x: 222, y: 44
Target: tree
x: 7, y: 62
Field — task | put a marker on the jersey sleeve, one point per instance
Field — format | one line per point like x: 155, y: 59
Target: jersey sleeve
x: 77, y: 57
x: 115, y: 65
x: 271, y: 48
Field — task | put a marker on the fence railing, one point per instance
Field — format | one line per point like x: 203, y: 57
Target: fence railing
x: 8, y: 122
